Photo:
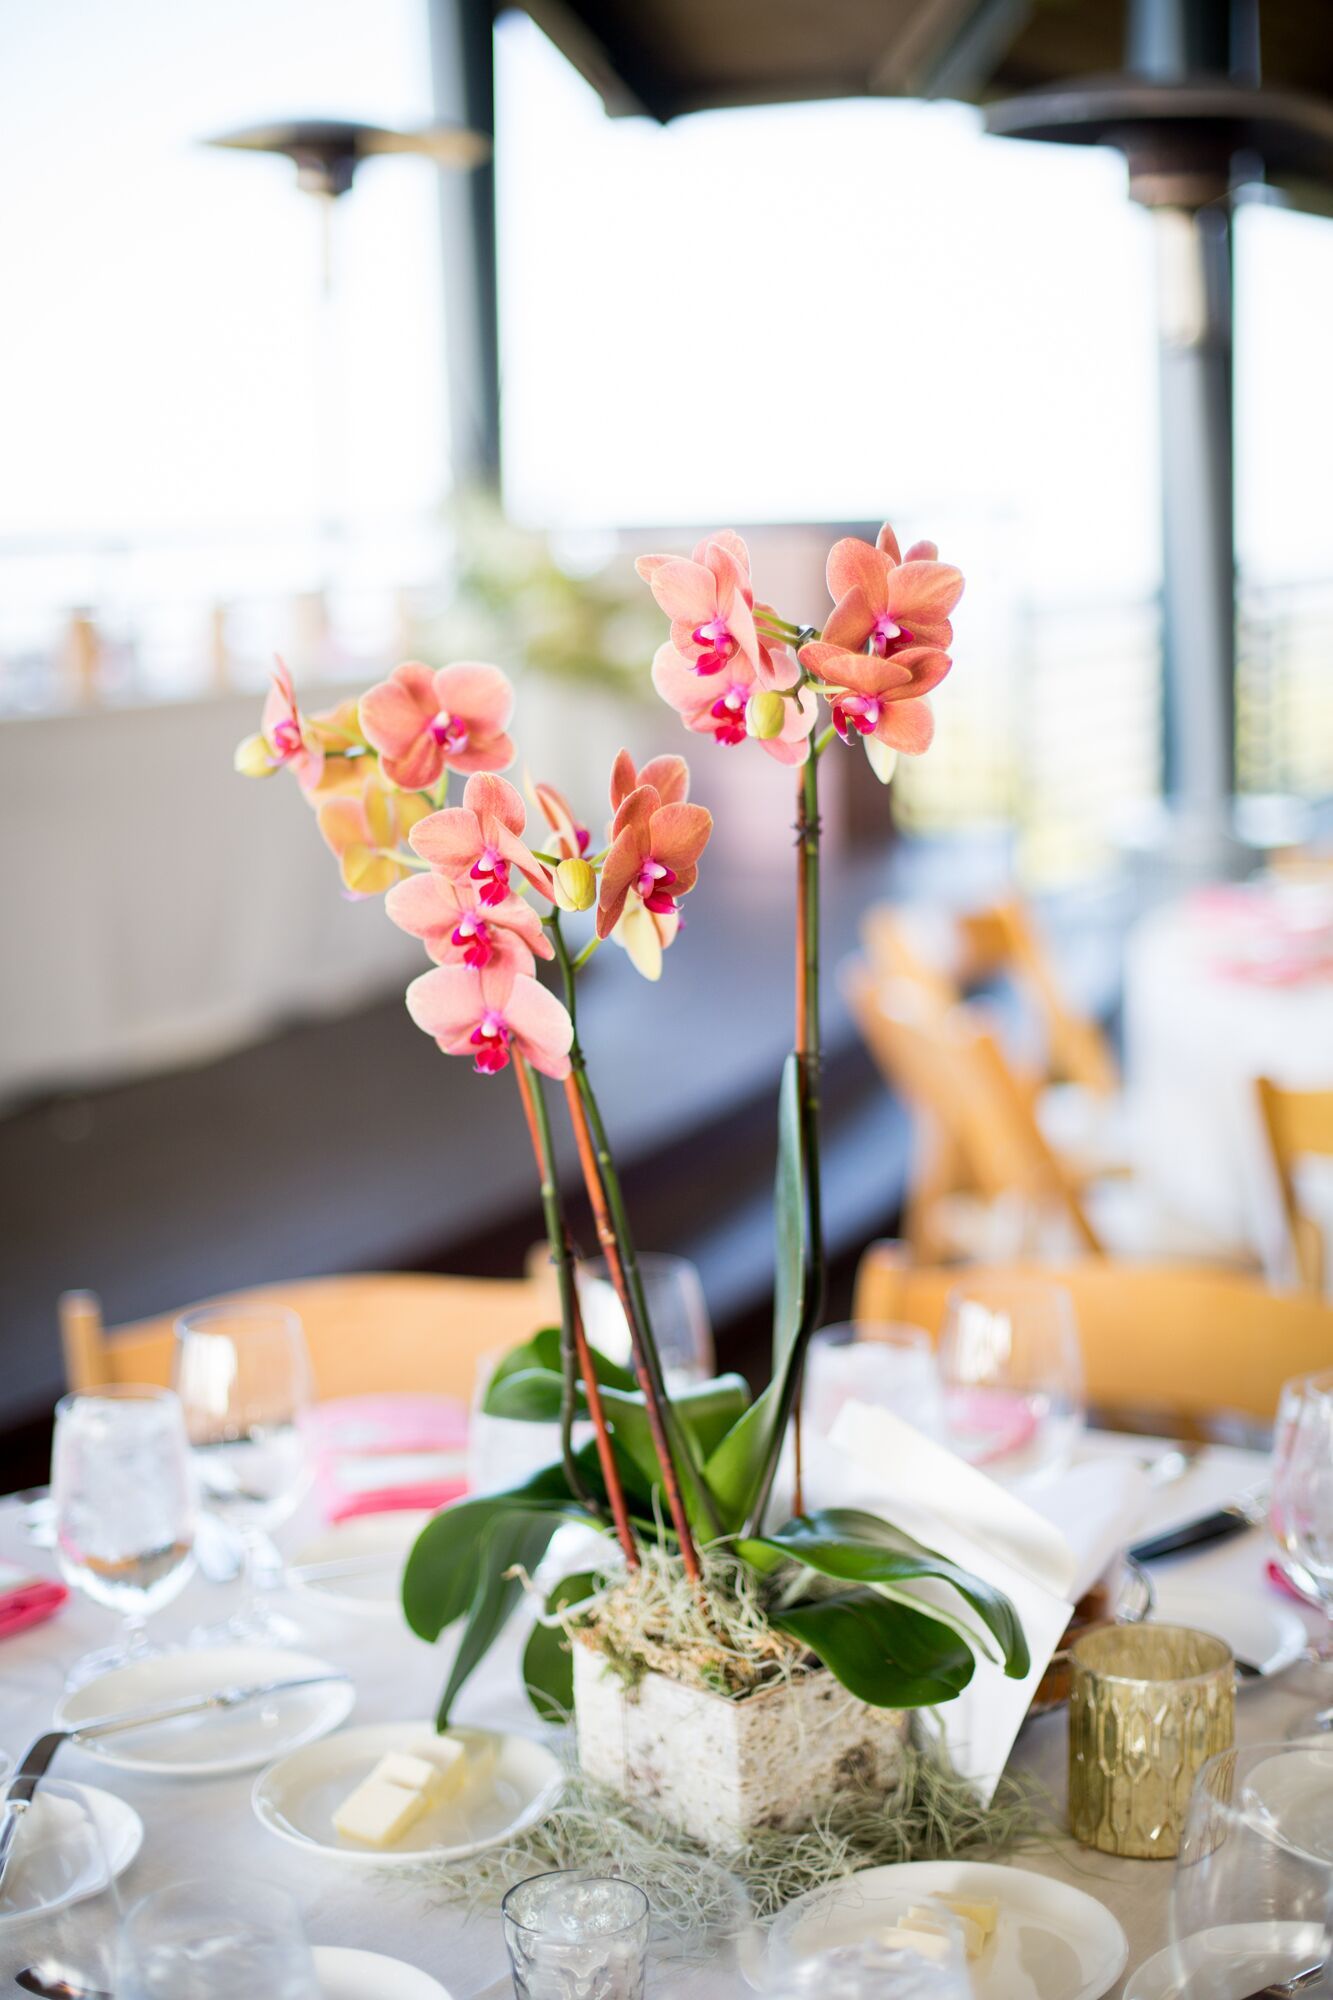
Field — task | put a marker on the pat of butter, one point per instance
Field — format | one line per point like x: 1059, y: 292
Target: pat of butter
x: 945, y: 1916
x: 415, y: 1774
x: 378, y: 1812
x: 448, y: 1762
x: 984, y: 1914
x: 926, y: 1944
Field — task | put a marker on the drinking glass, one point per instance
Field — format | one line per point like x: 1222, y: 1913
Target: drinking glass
x: 1252, y: 1898
x: 123, y: 1496
x: 243, y: 1376
x: 1012, y: 1374
x: 58, y: 1901
x: 880, y: 1362
x: 1301, y: 1513
x: 869, y: 1970
x: 677, y: 1313
x: 206, y: 1941
x: 577, y: 1935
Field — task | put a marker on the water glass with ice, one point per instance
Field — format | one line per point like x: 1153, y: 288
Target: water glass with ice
x: 577, y: 1935
x: 201, y: 1941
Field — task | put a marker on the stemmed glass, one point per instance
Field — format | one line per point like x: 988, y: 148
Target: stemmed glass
x: 214, y: 1942
x: 1012, y: 1374
x: 243, y: 1376
x: 123, y: 1498
x: 1252, y: 1897
x: 1301, y: 1510
x: 59, y: 1901
x: 677, y: 1313
x: 885, y: 1363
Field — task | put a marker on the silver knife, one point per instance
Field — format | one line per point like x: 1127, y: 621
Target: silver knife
x: 1216, y: 1525
x: 37, y: 1758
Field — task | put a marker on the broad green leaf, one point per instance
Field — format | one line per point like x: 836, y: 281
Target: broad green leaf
x: 440, y: 1578
x: 548, y: 1666
x: 855, y: 1547
x: 734, y: 1466
x: 513, y: 1541
x: 881, y: 1652
x: 542, y: 1352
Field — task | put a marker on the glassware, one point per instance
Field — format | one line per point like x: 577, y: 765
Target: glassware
x: 577, y: 1935
x: 1012, y: 1374
x: 208, y: 1941
x: 243, y: 1376
x: 1148, y: 1706
x: 871, y: 1971
x: 881, y: 1362
x: 1252, y: 1898
x: 1301, y: 1512
x: 59, y: 1899
x: 123, y: 1496
x: 677, y: 1313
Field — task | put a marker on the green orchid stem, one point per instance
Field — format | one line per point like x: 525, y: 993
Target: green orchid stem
x: 647, y: 1360
x: 823, y: 740
x: 587, y: 952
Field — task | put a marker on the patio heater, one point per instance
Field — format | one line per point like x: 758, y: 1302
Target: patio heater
x: 1195, y: 123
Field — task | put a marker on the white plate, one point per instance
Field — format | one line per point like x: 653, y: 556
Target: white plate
x: 199, y: 1746
x: 375, y: 1594
x: 47, y: 1869
x: 368, y: 1975
x: 297, y: 1797
x: 1051, y: 1942
x: 1241, y: 1959
x: 1272, y: 1636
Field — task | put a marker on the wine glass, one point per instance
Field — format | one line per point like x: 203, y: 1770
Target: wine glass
x: 123, y: 1498
x: 1301, y: 1511
x: 214, y: 1942
x: 59, y: 1901
x: 243, y: 1376
x: 677, y: 1313
x: 885, y: 1363
x: 1252, y: 1896
x: 1012, y: 1374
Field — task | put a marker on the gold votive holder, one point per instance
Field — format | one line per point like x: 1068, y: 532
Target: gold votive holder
x: 1148, y: 1706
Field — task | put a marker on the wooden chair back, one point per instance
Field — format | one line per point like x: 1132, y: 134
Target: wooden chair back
x: 1000, y: 937
x: 1186, y: 1341
x: 370, y: 1332
x: 952, y: 1070
x: 1298, y: 1123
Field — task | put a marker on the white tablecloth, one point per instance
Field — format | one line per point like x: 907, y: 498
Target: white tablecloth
x: 206, y: 1827
x: 1196, y: 1037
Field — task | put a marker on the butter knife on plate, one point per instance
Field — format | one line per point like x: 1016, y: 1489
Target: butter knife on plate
x: 1217, y: 1525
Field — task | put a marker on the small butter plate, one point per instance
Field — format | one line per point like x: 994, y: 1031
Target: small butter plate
x: 49, y: 1869
x: 297, y: 1797
x: 357, y: 1567
x: 1051, y: 1941
x: 218, y: 1740
x: 1271, y: 1636
x: 369, y: 1975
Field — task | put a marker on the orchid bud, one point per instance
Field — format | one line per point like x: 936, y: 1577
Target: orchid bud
x: 765, y: 713
x: 254, y: 759
x: 576, y: 885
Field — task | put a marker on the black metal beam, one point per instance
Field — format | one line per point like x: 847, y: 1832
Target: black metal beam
x: 463, y: 78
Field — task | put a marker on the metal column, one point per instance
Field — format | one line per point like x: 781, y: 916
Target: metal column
x: 463, y: 76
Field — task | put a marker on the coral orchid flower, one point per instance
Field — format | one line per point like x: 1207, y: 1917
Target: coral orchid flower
x: 712, y: 610
x: 424, y: 722
x: 572, y: 841
x: 879, y: 699
x: 364, y: 826
x: 286, y: 738
x: 886, y: 603
x: 669, y: 777
x: 655, y: 851
x: 645, y: 934
x: 492, y: 1015
x: 716, y: 708
x: 457, y: 928
x: 478, y: 842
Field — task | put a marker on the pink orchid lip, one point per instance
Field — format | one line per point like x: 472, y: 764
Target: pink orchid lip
x: 886, y: 637
x: 474, y: 933
x: 493, y: 873
x: 654, y: 886
x: 287, y: 738
x: 716, y: 644
x: 856, y: 712
x: 490, y: 1038
x: 448, y: 731
x: 729, y: 711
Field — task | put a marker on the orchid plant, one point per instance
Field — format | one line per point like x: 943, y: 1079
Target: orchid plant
x: 488, y: 900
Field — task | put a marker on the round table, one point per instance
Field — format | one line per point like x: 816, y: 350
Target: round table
x: 206, y: 1827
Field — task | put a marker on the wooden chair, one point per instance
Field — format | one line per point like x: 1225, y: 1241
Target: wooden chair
x: 372, y: 1331
x: 1298, y: 1123
x: 1004, y: 938
x: 1179, y: 1340
x: 978, y: 1128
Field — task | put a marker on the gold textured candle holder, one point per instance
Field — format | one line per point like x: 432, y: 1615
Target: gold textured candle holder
x: 1148, y: 1706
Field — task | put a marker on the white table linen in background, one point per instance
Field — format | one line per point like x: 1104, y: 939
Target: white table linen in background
x: 1196, y: 1038
x: 206, y: 1826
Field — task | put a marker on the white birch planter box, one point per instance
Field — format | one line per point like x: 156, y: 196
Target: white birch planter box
x: 720, y: 1769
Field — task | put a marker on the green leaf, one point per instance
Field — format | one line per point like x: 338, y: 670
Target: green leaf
x: 734, y: 1466
x: 881, y: 1652
x: 855, y: 1547
x: 440, y: 1578
x: 548, y: 1665
x: 514, y: 1540
x: 542, y: 1352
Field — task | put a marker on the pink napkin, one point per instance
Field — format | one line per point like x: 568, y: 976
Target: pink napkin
x: 27, y: 1600
x: 427, y: 1497
x: 990, y: 1423
x: 375, y: 1454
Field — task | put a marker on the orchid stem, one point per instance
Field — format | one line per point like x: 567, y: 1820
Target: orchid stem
x: 575, y: 1356
x: 587, y: 952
